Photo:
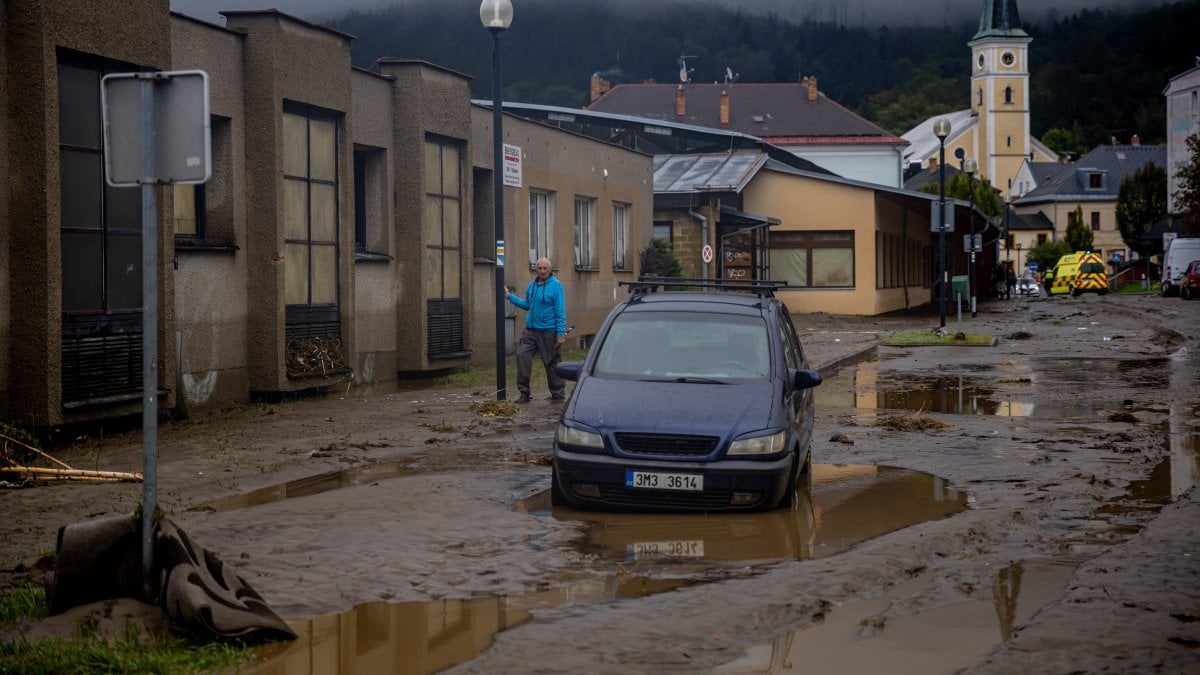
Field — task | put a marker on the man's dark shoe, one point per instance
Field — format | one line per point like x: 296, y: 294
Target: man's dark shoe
x: 556, y: 398
x: 523, y: 398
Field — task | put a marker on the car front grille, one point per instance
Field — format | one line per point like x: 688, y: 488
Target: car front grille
x: 699, y: 501
x: 666, y: 444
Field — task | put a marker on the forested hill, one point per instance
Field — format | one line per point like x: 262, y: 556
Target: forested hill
x: 1094, y: 74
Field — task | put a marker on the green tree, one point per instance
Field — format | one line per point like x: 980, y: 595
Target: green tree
x: 658, y: 260
x: 1079, y: 236
x: 1187, y: 197
x: 1066, y: 141
x: 1047, y: 253
x: 960, y: 187
x: 1142, y: 200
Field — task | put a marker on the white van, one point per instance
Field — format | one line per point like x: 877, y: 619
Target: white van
x: 1179, y: 253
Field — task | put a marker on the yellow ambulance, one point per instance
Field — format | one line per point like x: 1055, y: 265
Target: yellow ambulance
x: 1078, y: 273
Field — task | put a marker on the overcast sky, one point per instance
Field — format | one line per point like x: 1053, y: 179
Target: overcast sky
x: 851, y: 12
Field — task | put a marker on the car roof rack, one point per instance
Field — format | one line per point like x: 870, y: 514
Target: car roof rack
x: 650, y: 284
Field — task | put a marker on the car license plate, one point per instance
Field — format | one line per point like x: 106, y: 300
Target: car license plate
x: 691, y: 548
x: 664, y: 481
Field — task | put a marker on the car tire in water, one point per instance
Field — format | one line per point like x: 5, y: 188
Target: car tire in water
x: 557, y: 496
x: 1075, y: 292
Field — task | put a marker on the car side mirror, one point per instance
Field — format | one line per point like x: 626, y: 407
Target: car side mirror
x: 805, y: 379
x: 568, y: 370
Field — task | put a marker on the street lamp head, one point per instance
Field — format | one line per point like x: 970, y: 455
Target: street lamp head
x: 496, y: 15
x: 970, y: 166
x: 941, y: 128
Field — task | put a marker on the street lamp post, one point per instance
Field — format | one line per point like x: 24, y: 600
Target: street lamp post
x: 970, y: 167
x: 496, y: 16
x: 941, y: 128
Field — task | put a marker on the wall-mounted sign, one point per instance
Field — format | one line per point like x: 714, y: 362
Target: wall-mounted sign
x: 512, y: 166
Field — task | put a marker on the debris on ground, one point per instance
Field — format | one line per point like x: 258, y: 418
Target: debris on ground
x: 63, y: 472
x: 914, y: 422
x: 494, y: 408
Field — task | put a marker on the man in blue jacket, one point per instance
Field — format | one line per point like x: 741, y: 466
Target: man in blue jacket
x: 545, y: 330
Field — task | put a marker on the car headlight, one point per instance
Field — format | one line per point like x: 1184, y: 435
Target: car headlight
x: 759, y: 445
x: 578, y: 438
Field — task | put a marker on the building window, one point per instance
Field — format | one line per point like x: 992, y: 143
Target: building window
x: 1041, y: 238
x: 621, y: 236
x: 979, y: 97
x: 661, y: 229
x: 1095, y: 181
x: 310, y: 210
x: 100, y: 232
x: 442, y: 239
x: 1095, y: 220
x: 813, y: 259
x: 1008, y: 141
x: 188, y: 212
x: 585, y: 233
x: 370, y: 201
x: 1008, y: 94
x: 541, y: 225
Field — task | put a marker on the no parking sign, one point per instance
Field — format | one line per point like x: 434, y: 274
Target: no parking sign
x: 706, y: 254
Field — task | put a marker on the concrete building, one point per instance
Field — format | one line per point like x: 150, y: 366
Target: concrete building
x: 346, y: 234
x: 1183, y: 120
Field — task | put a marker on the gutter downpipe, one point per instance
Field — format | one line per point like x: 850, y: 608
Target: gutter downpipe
x: 703, y: 234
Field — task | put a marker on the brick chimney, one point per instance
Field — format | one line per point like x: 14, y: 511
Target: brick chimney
x: 680, y: 104
x: 724, y: 108
x: 811, y: 83
x: 1136, y: 140
x: 600, y: 86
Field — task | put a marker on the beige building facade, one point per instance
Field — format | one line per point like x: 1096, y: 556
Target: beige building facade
x: 345, y: 235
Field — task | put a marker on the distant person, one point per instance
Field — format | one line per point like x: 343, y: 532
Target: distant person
x: 1010, y: 281
x: 545, y: 330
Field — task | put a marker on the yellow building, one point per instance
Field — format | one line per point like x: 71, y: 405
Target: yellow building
x: 995, y: 129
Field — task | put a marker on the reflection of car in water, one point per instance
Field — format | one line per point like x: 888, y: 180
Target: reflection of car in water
x: 845, y: 505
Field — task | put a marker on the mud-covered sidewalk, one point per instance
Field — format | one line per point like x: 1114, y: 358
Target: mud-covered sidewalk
x: 409, y: 495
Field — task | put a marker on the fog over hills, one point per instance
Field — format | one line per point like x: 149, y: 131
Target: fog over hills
x: 847, y: 12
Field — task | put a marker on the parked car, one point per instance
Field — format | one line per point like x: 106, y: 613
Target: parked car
x: 1027, y: 285
x: 1189, y: 283
x: 695, y: 400
x: 1179, y: 253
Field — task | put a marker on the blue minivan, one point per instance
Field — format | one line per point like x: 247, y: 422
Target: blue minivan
x: 695, y: 396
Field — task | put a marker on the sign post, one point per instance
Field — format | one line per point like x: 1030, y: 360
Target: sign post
x: 156, y: 131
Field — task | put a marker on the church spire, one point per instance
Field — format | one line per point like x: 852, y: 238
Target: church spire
x: 1000, y: 19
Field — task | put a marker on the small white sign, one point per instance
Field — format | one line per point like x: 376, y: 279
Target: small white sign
x: 706, y: 253
x: 512, y: 166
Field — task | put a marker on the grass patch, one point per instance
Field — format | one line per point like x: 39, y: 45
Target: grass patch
x: 1135, y: 288
x: 90, y: 652
x: 914, y: 422
x: 926, y: 338
x: 494, y: 408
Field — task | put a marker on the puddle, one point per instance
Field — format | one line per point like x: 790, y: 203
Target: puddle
x: 311, y: 485
x: 847, y: 504
x: 870, y: 386
x: 414, y: 638
x: 860, y: 636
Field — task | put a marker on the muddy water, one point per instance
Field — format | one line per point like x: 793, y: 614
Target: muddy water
x: 630, y: 555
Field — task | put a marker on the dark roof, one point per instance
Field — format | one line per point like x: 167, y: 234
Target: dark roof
x: 1029, y: 221
x: 1000, y: 18
x: 651, y: 136
x: 1042, y: 171
x: 1113, y: 163
x: 926, y: 176
x: 777, y: 112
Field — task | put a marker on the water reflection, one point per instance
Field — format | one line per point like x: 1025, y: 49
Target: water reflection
x: 414, y: 638
x: 871, y: 385
x: 311, y: 485
x: 860, y: 635
x: 847, y: 504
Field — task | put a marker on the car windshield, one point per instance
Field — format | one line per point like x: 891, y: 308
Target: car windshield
x: 685, y: 346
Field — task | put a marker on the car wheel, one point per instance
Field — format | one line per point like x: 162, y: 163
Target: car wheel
x: 1186, y: 292
x: 1075, y: 292
x: 557, y: 496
